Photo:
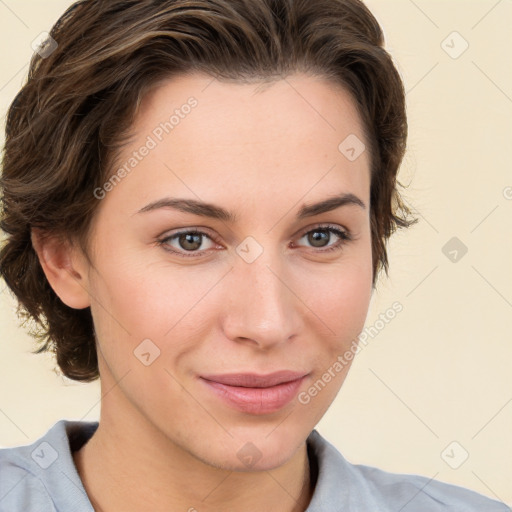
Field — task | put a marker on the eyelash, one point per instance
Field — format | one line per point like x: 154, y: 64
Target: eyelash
x: 344, y: 236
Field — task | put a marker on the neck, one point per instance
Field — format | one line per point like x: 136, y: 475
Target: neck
x: 137, y: 468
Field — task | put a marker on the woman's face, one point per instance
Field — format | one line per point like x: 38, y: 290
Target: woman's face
x: 267, y: 283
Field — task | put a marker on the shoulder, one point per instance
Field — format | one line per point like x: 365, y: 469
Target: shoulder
x: 365, y: 488
x: 20, y: 488
x: 417, y: 493
x: 41, y: 477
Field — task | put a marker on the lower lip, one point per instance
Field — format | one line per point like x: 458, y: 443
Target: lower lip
x: 256, y: 400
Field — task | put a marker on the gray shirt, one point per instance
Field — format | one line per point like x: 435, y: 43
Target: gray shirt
x: 42, y: 477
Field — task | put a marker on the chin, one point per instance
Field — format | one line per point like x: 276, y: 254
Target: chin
x: 261, y: 450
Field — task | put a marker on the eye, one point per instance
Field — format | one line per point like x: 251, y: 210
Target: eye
x: 320, y: 236
x: 190, y: 241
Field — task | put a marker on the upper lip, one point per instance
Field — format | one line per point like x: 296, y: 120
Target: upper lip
x: 253, y: 380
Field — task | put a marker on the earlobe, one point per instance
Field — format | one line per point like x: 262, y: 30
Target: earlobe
x: 64, y: 268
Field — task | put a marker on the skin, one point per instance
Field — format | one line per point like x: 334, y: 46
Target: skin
x: 165, y: 441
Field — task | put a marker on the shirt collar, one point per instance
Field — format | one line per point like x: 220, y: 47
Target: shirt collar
x: 52, y: 461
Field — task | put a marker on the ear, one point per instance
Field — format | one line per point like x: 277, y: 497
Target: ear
x: 65, y: 268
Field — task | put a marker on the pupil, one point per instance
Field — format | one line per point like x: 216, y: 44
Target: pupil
x: 190, y: 241
x: 318, y: 236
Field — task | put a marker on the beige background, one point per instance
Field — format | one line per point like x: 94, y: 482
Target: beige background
x: 440, y: 370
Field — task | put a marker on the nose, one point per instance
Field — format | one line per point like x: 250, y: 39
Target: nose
x: 260, y: 307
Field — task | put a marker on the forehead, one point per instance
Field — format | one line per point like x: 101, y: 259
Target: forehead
x: 282, y: 137
x: 295, y: 105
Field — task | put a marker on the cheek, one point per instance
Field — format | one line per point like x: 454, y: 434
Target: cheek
x: 340, y: 296
x: 139, y: 299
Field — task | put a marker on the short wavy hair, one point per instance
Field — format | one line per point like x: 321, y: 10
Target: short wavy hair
x: 68, y: 121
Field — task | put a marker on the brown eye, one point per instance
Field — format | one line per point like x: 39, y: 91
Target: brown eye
x: 320, y: 237
x: 191, y: 242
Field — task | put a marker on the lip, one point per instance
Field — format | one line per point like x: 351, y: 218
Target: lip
x: 253, y: 393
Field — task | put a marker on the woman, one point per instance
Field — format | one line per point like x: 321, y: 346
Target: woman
x: 197, y: 197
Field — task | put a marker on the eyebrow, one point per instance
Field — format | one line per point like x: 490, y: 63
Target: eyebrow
x: 216, y: 212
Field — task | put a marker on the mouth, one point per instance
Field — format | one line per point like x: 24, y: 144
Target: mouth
x: 255, y: 394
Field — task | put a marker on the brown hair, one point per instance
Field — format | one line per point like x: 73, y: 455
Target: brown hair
x: 66, y: 124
